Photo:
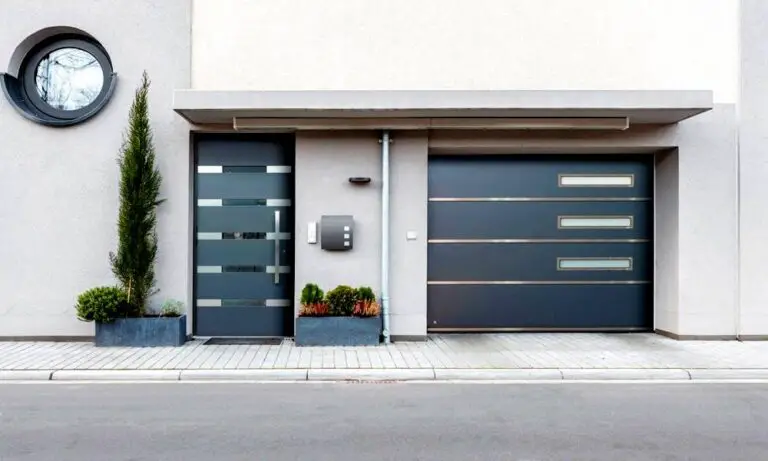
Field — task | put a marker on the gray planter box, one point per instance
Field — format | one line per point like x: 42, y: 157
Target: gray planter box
x: 338, y: 331
x: 142, y: 332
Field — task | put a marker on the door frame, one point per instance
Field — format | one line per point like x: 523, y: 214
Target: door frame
x: 288, y: 139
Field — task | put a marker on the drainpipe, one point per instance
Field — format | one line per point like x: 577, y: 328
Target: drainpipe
x: 385, y: 234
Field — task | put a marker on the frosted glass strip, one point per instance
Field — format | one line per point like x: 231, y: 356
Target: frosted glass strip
x: 594, y: 264
x: 596, y: 180
x: 579, y: 222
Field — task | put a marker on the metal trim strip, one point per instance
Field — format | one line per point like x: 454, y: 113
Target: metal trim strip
x: 540, y: 199
x: 451, y: 241
x: 519, y: 329
x: 538, y: 282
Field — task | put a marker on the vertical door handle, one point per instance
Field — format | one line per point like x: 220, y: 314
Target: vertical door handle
x: 277, y: 247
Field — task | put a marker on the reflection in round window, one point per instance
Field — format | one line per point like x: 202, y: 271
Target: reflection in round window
x: 69, y: 79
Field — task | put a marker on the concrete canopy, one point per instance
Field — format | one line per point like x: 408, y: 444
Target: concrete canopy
x: 400, y: 109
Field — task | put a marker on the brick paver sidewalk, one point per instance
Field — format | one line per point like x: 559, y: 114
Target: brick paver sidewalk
x: 488, y: 351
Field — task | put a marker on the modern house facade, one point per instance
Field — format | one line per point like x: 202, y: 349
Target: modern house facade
x: 542, y: 165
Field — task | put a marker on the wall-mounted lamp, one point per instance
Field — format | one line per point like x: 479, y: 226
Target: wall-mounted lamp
x: 360, y: 180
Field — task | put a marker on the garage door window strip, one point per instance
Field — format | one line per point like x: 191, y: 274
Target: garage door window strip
x: 594, y: 264
x: 595, y: 222
x: 596, y: 180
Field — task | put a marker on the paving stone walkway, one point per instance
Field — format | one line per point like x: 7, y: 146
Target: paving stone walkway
x: 487, y: 351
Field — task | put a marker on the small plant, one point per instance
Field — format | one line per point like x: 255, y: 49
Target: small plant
x: 313, y: 301
x: 366, y: 305
x: 312, y: 294
x: 102, y: 304
x: 341, y: 301
x: 366, y: 294
x: 172, y: 308
x: 314, y: 310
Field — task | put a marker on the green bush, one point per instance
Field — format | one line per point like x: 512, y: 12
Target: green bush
x: 101, y: 304
x: 172, y: 308
x: 341, y: 301
x: 312, y: 294
x: 366, y: 294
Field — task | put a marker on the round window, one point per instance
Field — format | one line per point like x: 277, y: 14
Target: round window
x: 69, y: 79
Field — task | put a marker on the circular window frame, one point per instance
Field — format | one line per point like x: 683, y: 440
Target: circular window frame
x: 35, y: 57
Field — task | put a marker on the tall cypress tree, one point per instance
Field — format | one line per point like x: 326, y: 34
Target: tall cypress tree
x: 140, y: 179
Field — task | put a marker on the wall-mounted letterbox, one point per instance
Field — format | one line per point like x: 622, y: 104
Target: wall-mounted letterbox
x: 336, y: 233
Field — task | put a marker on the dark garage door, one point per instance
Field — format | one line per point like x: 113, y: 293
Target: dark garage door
x: 540, y: 243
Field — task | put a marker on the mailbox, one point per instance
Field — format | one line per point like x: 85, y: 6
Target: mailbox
x: 336, y: 233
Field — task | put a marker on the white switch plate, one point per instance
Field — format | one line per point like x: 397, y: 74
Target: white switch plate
x: 312, y: 232
x: 411, y: 235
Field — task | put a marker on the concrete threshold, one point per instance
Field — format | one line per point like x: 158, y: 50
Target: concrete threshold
x: 390, y: 375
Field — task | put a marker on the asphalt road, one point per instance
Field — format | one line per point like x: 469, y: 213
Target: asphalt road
x: 446, y: 422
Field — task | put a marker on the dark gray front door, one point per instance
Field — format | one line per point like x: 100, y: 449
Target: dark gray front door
x: 243, y: 227
x: 540, y: 243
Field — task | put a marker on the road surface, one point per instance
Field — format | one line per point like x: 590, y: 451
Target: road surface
x: 403, y: 422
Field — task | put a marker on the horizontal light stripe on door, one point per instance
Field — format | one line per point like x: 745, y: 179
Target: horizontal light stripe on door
x: 213, y: 202
x: 243, y: 235
x: 243, y: 302
x: 223, y: 269
x: 220, y: 169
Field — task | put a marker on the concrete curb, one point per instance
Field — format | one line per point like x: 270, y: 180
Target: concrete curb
x: 724, y: 373
x: 115, y: 375
x: 490, y: 374
x: 26, y: 375
x: 277, y: 374
x: 355, y: 374
x: 658, y: 374
x: 391, y: 374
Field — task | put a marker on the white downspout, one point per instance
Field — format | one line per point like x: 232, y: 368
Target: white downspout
x: 385, y: 234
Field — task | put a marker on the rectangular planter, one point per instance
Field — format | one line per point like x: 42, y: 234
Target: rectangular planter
x: 142, y: 332
x: 338, y: 331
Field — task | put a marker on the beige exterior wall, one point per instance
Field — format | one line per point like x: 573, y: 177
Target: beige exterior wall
x: 59, y: 186
x: 324, y: 162
x: 459, y: 44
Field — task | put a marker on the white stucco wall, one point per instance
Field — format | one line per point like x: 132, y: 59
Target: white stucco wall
x: 459, y: 44
x: 753, y: 320
x: 324, y: 164
x: 59, y: 186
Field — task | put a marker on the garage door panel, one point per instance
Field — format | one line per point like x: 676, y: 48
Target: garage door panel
x: 539, y: 220
x: 570, y: 307
x: 525, y: 176
x: 540, y: 242
x: 540, y: 261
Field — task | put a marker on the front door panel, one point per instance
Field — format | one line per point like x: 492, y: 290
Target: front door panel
x: 243, y: 229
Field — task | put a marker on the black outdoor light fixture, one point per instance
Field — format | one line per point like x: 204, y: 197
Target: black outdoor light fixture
x: 360, y: 180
